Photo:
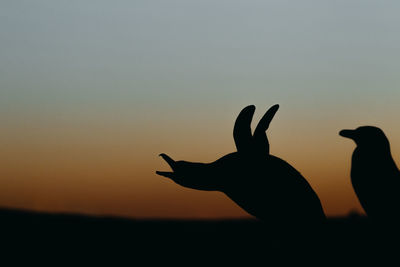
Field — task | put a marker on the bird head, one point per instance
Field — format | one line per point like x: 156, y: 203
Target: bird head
x: 370, y: 136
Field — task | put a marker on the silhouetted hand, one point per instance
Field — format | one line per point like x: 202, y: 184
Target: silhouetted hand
x: 263, y: 185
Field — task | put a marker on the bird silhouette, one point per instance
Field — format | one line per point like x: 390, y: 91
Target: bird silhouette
x: 374, y: 174
x: 265, y: 186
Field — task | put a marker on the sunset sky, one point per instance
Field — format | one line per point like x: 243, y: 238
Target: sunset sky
x: 92, y: 91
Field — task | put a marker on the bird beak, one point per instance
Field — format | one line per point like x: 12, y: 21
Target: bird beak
x: 348, y: 133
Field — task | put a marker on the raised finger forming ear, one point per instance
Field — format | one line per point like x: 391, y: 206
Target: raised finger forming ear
x: 242, y: 131
x: 260, y: 137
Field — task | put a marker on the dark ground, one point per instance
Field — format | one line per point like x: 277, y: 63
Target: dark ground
x: 66, y: 237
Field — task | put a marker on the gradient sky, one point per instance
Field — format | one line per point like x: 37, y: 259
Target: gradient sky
x: 92, y: 91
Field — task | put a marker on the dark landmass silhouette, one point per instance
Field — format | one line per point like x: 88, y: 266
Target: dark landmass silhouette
x: 225, y: 241
x: 266, y: 186
x: 73, y: 236
x: 374, y: 174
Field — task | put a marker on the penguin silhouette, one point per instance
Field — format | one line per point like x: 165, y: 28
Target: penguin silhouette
x: 374, y: 174
x: 265, y: 186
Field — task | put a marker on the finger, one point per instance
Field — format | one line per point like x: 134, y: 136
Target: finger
x: 242, y: 131
x: 168, y: 159
x: 166, y: 174
x: 260, y: 136
x: 266, y: 120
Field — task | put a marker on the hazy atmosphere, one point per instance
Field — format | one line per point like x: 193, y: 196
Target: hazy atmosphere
x: 92, y: 91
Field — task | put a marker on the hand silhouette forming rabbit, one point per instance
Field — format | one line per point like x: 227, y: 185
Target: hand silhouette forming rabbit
x: 265, y: 186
